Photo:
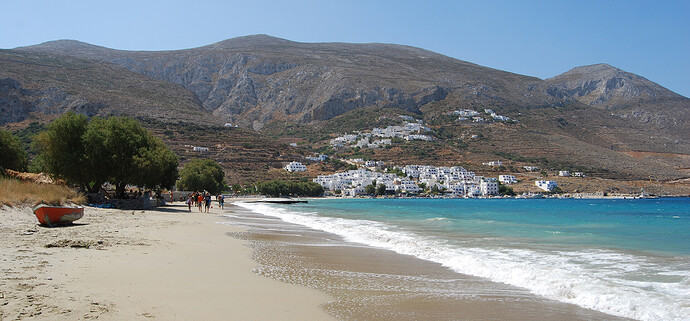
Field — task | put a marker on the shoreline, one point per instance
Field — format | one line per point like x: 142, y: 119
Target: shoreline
x: 371, y: 283
x: 136, y: 265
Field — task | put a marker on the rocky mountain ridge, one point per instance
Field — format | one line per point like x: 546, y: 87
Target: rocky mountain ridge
x: 596, y: 115
x: 255, y: 80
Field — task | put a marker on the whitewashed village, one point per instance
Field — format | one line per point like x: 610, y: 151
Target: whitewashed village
x: 409, y: 180
x: 413, y: 180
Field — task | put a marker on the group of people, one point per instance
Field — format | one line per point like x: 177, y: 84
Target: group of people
x: 202, y: 200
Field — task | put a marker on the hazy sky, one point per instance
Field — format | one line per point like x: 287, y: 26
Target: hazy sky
x: 536, y: 38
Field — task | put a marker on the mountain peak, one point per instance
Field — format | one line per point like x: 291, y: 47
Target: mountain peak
x: 607, y: 86
x: 596, y: 70
x: 251, y: 40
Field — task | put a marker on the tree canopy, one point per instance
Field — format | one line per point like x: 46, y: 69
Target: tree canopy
x: 282, y: 188
x: 202, y: 174
x: 116, y: 150
x: 12, y: 155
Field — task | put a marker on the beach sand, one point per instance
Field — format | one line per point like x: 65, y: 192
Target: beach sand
x: 113, y: 264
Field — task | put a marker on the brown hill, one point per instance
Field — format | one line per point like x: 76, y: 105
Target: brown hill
x: 593, y: 118
x: 37, y: 86
x: 259, y: 79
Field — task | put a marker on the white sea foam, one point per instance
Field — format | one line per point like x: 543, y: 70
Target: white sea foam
x: 589, y: 278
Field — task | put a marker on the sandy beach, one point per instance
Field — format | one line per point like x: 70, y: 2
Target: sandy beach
x: 167, y: 264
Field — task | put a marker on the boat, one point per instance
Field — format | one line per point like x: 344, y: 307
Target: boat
x: 57, y: 215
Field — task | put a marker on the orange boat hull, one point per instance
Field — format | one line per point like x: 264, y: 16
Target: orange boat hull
x: 56, y: 215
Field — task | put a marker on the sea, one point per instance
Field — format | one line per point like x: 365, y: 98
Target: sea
x: 625, y: 258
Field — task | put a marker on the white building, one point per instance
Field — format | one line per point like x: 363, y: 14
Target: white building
x: 493, y: 163
x: 531, y: 168
x: 403, y: 185
x: 579, y: 174
x: 319, y: 158
x: 564, y: 173
x: 507, y: 179
x: 548, y: 186
x: 200, y: 149
x: 488, y: 187
x: 295, y: 167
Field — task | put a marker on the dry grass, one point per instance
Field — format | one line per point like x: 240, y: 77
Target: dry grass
x: 14, y: 193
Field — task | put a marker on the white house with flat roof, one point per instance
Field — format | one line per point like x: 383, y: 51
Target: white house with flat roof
x: 507, y: 179
x: 295, y: 167
x: 488, y: 187
x: 548, y: 186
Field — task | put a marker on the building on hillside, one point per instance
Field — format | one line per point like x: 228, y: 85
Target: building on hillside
x: 295, y: 167
x: 564, y: 173
x: 507, y: 179
x: 493, y: 163
x: 200, y: 149
x: 579, y: 174
x: 548, y: 186
x: 531, y: 168
x: 488, y: 187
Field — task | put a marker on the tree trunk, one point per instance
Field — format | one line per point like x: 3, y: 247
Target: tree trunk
x: 120, y: 190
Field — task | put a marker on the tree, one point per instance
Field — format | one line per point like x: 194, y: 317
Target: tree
x: 370, y: 189
x: 12, y: 155
x: 157, y: 165
x: 116, y: 150
x: 282, y: 188
x: 202, y: 174
x: 62, y: 149
x: 505, y: 190
x: 381, y: 189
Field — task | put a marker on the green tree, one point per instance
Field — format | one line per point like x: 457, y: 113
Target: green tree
x: 202, y: 174
x: 116, y: 150
x: 381, y: 189
x: 62, y: 149
x: 370, y: 189
x: 505, y: 190
x: 12, y: 155
x: 157, y: 165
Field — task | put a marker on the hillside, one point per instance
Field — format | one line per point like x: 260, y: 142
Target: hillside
x: 257, y: 80
x: 37, y: 86
x: 596, y: 118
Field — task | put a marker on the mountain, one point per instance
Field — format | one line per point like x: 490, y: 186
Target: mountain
x: 255, y: 80
x: 39, y: 86
x: 625, y: 94
x: 597, y: 118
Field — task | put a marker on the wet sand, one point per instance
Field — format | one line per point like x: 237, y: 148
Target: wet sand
x: 376, y: 284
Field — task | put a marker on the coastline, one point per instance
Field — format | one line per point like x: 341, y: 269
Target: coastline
x: 136, y: 265
x: 370, y: 283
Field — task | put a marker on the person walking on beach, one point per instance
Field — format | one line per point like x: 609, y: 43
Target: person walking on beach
x: 221, y: 200
x: 200, y: 202
x: 207, y: 201
x: 189, y: 202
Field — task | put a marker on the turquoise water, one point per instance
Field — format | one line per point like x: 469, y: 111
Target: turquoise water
x: 628, y: 258
x: 661, y: 226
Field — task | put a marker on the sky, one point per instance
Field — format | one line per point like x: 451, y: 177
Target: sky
x: 536, y: 38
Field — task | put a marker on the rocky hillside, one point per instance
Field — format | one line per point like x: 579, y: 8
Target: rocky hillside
x: 40, y: 86
x: 256, y: 80
x: 598, y: 118
x: 624, y: 94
